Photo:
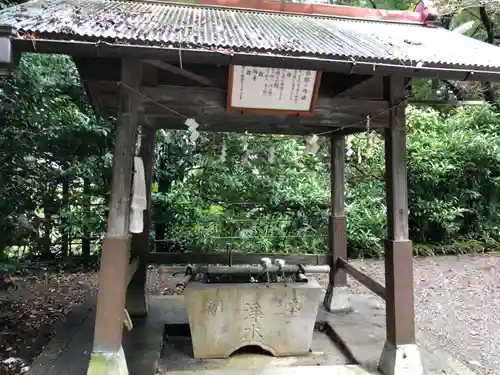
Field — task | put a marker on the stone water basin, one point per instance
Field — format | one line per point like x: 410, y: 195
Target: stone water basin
x: 279, y: 318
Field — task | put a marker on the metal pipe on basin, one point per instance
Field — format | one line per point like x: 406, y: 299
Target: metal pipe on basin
x: 227, y: 270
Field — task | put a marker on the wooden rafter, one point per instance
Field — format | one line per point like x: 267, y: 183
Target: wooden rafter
x: 169, y: 106
x: 348, y: 83
x: 183, y: 72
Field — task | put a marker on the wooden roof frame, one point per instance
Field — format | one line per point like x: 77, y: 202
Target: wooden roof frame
x: 169, y: 95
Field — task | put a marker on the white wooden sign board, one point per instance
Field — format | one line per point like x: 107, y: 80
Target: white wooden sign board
x: 279, y: 89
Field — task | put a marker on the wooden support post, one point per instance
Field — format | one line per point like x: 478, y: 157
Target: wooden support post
x: 137, y: 304
x: 107, y: 357
x: 337, y: 297
x: 400, y: 355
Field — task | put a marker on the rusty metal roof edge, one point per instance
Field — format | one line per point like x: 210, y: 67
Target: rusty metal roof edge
x: 264, y: 11
x: 284, y: 13
x: 220, y: 48
x: 206, y: 56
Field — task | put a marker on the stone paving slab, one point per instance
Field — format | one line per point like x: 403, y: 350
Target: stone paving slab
x: 143, y: 344
x: 362, y: 332
x: 177, y: 355
x: 299, y: 370
x: 69, y: 351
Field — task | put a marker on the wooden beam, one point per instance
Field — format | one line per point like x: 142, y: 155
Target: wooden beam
x: 115, y: 249
x: 150, y: 75
x: 446, y: 103
x: 348, y: 131
x: 227, y: 258
x: 136, y: 301
x: 132, y: 269
x: 228, y: 127
x: 216, y: 97
x: 207, y: 106
x: 369, y: 89
x: 395, y: 156
x: 183, y: 72
x: 360, y: 277
x: 347, y: 83
x: 398, y: 256
x: 169, y: 106
x: 102, y: 69
x: 108, y: 70
x: 336, y: 294
x: 252, y: 127
x: 338, y: 222
x: 326, y: 115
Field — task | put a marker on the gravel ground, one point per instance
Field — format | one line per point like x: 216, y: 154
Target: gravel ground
x: 457, y: 299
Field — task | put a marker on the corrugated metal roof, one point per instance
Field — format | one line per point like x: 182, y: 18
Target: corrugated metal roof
x: 203, y: 27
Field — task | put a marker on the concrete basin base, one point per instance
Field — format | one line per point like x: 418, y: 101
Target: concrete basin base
x: 226, y: 317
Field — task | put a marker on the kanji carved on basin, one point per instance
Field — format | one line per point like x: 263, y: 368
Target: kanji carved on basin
x: 278, y: 317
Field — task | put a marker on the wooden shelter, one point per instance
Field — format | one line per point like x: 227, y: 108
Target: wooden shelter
x: 158, y: 64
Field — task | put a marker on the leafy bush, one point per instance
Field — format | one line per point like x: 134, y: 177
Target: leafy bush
x: 453, y: 177
x: 55, y: 171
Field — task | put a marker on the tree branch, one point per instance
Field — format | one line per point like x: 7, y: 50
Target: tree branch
x: 473, y: 14
x: 488, y: 25
x: 457, y: 91
x: 489, y: 93
x: 367, y: 175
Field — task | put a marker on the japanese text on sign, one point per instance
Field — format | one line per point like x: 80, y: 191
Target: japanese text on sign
x: 272, y: 88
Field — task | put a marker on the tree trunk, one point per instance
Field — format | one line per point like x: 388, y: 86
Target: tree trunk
x: 64, y: 221
x: 160, y: 228
x: 86, y: 233
x: 47, y: 227
x: 489, y: 92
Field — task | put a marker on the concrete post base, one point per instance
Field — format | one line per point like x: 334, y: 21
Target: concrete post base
x: 337, y: 299
x: 137, y: 302
x: 108, y: 364
x: 400, y: 360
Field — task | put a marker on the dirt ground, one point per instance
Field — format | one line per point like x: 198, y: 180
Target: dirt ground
x: 29, y: 309
x: 457, y: 299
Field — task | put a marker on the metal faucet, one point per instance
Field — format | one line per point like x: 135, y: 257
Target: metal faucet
x: 265, y: 263
x: 280, y: 263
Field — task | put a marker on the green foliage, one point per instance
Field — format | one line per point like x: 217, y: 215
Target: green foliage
x: 255, y: 206
x: 56, y: 155
x: 453, y: 176
x: 48, y: 134
x: 453, y: 170
x: 272, y: 197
